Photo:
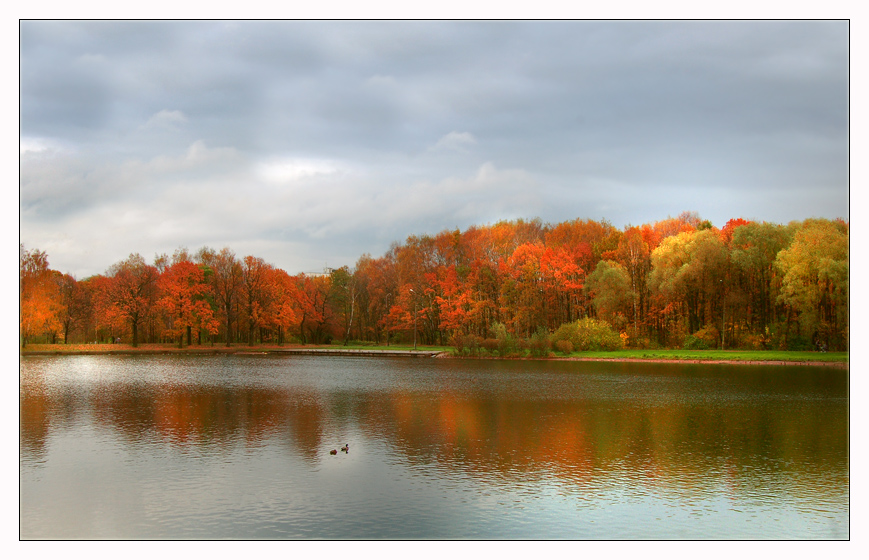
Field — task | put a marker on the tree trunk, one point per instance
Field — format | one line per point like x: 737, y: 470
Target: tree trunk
x: 228, y: 325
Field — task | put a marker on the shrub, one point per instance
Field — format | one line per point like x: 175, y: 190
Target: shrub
x: 643, y: 343
x: 710, y: 335
x: 539, y: 343
x: 751, y: 342
x: 506, y: 343
x: 589, y: 334
x: 799, y: 343
x: 564, y: 346
x: 692, y: 342
x: 466, y: 344
x: 490, y: 345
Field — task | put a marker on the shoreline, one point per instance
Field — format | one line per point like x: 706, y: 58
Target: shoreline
x: 242, y: 351
x: 303, y: 351
x: 842, y: 365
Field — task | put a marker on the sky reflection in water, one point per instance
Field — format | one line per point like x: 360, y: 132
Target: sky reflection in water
x: 238, y: 447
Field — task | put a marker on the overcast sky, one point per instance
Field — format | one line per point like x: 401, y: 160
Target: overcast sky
x: 309, y: 144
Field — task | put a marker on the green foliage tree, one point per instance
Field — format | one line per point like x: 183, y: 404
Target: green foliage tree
x: 226, y: 280
x: 609, y: 287
x: 748, y: 284
x: 690, y: 267
x: 539, y: 343
x: 815, y: 282
x: 507, y: 345
x: 754, y: 248
x: 344, y: 294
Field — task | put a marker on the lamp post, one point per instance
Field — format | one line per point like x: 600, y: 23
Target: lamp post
x: 414, y: 318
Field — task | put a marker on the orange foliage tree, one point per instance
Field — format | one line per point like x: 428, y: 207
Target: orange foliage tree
x: 183, y: 291
x: 671, y: 282
x: 38, y: 295
x: 129, y: 295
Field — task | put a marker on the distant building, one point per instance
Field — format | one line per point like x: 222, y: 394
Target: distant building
x: 327, y: 271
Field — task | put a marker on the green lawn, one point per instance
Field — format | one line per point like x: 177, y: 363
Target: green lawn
x: 736, y: 355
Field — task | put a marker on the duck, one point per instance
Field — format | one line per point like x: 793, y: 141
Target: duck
x: 333, y: 452
x: 346, y: 448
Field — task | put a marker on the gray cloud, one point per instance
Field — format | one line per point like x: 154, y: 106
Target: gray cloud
x: 314, y: 142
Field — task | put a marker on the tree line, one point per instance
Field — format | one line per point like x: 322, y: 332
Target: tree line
x: 679, y: 282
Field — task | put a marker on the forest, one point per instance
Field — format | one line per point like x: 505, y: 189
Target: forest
x: 509, y: 288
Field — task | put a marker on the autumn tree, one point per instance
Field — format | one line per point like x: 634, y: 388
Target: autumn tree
x: 689, y: 267
x: 753, y: 249
x: 747, y: 284
x: 75, y: 305
x: 105, y: 319
x: 416, y: 265
x: 376, y: 281
x: 129, y: 295
x: 225, y: 280
x: 588, y: 239
x: 314, y: 309
x: 634, y: 255
x: 522, y: 292
x: 344, y: 295
x: 282, y: 314
x: 610, y: 289
x: 38, y: 301
x: 257, y: 293
x: 816, y: 280
x: 183, y: 290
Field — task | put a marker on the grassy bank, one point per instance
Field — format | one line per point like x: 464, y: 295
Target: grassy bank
x: 651, y: 355
x: 717, y: 355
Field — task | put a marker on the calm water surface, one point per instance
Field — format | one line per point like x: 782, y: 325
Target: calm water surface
x: 237, y: 447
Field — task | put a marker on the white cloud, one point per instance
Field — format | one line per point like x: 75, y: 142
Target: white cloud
x: 31, y: 145
x: 291, y: 169
x: 200, y: 153
x: 382, y: 137
x: 208, y: 161
x: 455, y: 141
x: 402, y: 208
x: 166, y: 119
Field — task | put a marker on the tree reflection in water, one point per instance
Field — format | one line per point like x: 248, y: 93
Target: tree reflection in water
x: 687, y: 432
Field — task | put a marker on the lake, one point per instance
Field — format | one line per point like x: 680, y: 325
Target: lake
x: 238, y: 447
